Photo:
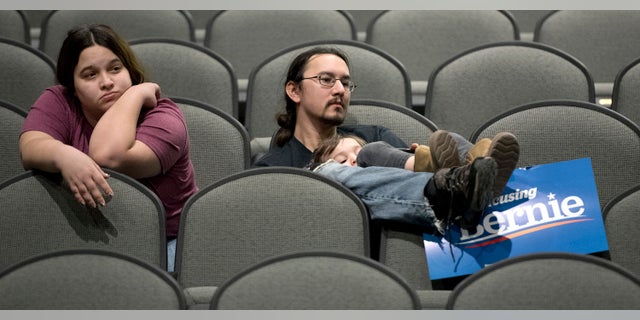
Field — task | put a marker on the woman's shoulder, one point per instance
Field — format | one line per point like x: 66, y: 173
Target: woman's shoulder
x: 59, y: 90
x: 166, y: 114
x: 167, y: 102
x: 54, y: 98
x: 166, y: 105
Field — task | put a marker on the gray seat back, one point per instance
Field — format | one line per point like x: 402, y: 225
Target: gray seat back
x: 15, y: 25
x: 625, y: 97
x: 130, y: 24
x: 248, y: 37
x: 262, y: 212
x: 26, y: 72
x: 219, y: 144
x: 604, y: 40
x: 560, y: 130
x: 186, y: 69
x: 88, y: 279
x: 621, y: 218
x: 11, y: 120
x: 540, y: 281
x: 483, y: 82
x: 39, y: 214
x: 424, y: 39
x: 405, y: 123
x: 316, y: 281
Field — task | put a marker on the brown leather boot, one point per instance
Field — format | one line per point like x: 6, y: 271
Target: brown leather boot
x: 504, y: 149
x: 423, y: 160
x: 479, y: 149
x: 442, y: 152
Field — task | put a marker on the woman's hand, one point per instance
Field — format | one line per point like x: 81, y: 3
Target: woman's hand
x: 87, y: 181
x: 150, y: 92
x: 85, y: 178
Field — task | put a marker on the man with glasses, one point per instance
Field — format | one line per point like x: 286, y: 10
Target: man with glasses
x: 317, y: 93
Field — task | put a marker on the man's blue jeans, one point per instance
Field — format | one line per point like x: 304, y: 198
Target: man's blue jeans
x: 389, y: 193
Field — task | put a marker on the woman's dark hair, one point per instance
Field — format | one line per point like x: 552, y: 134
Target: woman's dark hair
x: 287, y: 119
x: 84, y: 36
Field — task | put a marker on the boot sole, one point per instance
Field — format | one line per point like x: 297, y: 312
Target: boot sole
x: 485, y: 172
x: 444, y: 150
x: 505, y: 150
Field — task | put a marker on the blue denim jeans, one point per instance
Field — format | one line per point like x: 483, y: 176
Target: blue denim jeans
x: 389, y: 193
x: 171, y: 255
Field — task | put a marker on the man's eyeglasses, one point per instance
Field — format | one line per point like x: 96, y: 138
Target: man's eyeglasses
x: 328, y: 81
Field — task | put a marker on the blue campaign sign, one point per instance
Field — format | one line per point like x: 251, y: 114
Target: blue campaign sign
x: 544, y: 208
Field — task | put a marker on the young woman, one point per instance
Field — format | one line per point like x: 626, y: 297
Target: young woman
x: 104, y: 114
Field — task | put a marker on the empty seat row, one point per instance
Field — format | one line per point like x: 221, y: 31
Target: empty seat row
x: 526, y: 20
x: 420, y: 39
x: 313, y: 280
